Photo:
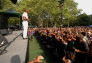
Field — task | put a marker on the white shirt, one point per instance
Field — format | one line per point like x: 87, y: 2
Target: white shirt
x: 25, y: 15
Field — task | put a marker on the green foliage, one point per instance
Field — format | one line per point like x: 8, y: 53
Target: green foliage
x: 7, y: 4
x: 35, y: 49
x: 70, y: 11
x: 40, y: 10
x: 13, y: 20
x: 90, y: 19
x: 47, y: 12
x: 1, y: 6
x: 83, y: 20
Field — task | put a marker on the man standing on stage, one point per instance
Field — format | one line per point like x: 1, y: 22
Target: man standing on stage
x: 25, y: 19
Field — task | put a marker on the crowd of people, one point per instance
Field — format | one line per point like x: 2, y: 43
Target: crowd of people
x: 66, y: 45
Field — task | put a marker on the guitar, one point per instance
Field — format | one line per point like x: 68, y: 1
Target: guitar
x: 25, y: 19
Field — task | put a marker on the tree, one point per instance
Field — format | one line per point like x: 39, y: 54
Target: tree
x: 69, y: 12
x: 1, y: 4
x: 90, y: 19
x: 39, y: 8
x: 83, y: 20
x: 6, y: 4
x: 46, y: 12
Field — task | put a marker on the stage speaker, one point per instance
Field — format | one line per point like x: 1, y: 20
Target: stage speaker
x: 14, y: 1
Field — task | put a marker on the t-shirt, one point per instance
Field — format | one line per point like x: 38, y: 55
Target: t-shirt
x: 25, y: 15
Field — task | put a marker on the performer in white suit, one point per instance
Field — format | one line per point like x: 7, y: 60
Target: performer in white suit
x: 25, y: 23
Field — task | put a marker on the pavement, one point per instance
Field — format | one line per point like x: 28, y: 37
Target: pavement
x: 16, y: 51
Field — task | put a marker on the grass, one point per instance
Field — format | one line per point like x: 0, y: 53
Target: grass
x: 35, y: 50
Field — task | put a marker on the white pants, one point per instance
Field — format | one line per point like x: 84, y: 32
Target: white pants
x: 25, y: 28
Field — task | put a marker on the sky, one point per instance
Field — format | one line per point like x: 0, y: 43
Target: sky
x: 85, y: 5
